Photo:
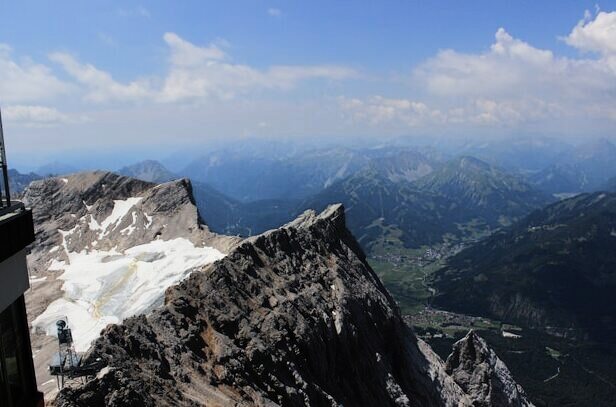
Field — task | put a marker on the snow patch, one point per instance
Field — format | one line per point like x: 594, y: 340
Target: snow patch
x: 56, y: 265
x: 149, y: 219
x: 120, y: 209
x: 510, y: 335
x: 65, y: 180
x: 103, y: 287
x: 93, y: 224
x: 337, y: 315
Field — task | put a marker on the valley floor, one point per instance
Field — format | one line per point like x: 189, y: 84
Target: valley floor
x: 554, y: 371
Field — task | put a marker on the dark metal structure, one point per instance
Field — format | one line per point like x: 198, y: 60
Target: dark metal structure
x: 18, y: 386
x: 67, y: 364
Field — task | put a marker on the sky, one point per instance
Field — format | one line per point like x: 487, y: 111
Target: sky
x: 144, y: 77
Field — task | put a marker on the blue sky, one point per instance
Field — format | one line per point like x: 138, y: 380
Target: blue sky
x: 98, y: 75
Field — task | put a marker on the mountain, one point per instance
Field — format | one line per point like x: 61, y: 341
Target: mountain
x: 292, y: 317
x: 525, y: 155
x: 221, y: 213
x: 18, y: 181
x: 460, y: 199
x: 483, y: 375
x: 107, y: 247
x: 148, y: 170
x: 554, y: 271
x: 406, y: 165
x: 496, y: 196
x: 378, y: 207
x: 585, y: 169
x: 250, y: 178
x: 55, y: 168
x: 298, y: 175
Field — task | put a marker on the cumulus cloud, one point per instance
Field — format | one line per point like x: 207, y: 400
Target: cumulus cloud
x: 512, y: 83
x: 26, y: 81
x: 598, y: 35
x: 200, y: 72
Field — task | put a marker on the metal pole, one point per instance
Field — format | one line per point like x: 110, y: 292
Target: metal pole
x: 5, y: 170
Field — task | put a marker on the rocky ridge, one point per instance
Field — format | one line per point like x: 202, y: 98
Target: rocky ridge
x: 292, y: 317
x: 482, y: 375
x: 99, y: 236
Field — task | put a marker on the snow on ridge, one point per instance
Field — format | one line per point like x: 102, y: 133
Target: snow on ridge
x: 120, y: 209
x: 103, y: 287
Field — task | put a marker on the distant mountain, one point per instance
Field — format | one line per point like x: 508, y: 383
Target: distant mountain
x: 525, y: 155
x: 377, y: 207
x: 498, y: 197
x: 585, y: 169
x: 249, y: 178
x: 149, y: 171
x: 406, y: 165
x: 299, y: 175
x: 18, y: 181
x: 555, y: 270
x: 221, y: 213
x: 55, y: 168
x: 459, y: 200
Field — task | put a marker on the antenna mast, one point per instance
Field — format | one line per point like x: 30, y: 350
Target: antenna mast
x: 5, y: 171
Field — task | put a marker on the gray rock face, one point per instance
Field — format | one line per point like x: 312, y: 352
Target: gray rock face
x: 482, y: 375
x: 292, y: 317
x: 80, y: 215
x: 83, y: 201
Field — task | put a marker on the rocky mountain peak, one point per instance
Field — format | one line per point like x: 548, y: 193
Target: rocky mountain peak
x: 482, y: 375
x: 292, y: 317
x: 332, y: 216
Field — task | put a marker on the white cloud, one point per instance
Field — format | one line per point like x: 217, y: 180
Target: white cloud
x: 37, y: 116
x: 274, y: 12
x: 200, y: 72
x: 99, y: 85
x: 377, y: 110
x: 183, y: 53
x: 598, y: 35
x: 26, y: 81
x: 194, y: 73
x: 512, y: 83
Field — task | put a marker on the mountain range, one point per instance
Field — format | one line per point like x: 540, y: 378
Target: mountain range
x: 459, y: 199
x: 585, y: 168
x: 554, y: 271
